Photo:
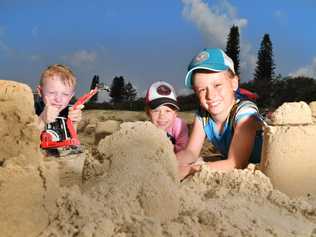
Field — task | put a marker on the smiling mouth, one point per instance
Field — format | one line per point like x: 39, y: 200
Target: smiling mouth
x: 162, y: 124
x: 214, y: 104
x: 58, y: 106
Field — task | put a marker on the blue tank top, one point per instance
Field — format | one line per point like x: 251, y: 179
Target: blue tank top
x: 242, y: 109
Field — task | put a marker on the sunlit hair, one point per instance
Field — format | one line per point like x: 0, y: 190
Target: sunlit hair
x: 64, y: 72
x: 229, y: 72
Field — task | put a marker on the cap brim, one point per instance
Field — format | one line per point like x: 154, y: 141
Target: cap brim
x: 212, y: 68
x: 163, y: 101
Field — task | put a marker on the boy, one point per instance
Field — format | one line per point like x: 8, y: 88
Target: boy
x: 56, y: 88
x: 162, y: 107
x: 231, y: 124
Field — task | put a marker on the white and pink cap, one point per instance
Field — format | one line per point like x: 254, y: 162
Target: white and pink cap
x: 161, y: 93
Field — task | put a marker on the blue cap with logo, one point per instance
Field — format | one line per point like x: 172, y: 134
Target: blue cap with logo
x: 213, y: 59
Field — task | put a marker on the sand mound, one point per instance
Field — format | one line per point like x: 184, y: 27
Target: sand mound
x: 18, y: 136
x: 27, y: 188
x: 240, y: 203
x: 130, y: 188
x: 289, y: 150
x: 312, y: 106
x: 141, y: 172
x: 292, y: 114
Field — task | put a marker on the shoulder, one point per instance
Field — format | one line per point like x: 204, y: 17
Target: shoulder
x: 245, y: 109
x: 179, y: 125
x: 202, y: 115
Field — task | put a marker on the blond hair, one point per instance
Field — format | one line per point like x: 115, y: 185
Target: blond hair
x: 64, y: 72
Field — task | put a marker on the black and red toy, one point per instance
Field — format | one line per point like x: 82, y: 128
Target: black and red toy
x: 61, y: 133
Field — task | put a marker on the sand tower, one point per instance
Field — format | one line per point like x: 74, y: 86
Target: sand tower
x: 289, y: 150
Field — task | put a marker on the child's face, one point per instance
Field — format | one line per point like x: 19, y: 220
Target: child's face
x: 55, y: 93
x: 163, y: 116
x: 215, y: 91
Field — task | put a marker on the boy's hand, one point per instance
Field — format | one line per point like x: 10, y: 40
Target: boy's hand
x: 75, y: 115
x: 186, y: 170
x: 49, y: 113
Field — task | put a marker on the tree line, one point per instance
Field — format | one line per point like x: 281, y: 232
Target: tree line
x: 272, y: 90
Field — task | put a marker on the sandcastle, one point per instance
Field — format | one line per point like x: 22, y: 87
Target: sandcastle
x: 130, y: 187
x: 289, y: 149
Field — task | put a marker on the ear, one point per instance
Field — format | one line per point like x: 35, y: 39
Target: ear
x: 147, y: 111
x: 39, y: 90
x: 235, y: 83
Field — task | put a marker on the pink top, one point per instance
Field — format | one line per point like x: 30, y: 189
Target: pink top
x: 180, y: 132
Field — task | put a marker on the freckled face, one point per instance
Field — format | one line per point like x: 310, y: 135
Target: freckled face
x: 215, y: 91
x: 163, y: 116
x: 56, y: 93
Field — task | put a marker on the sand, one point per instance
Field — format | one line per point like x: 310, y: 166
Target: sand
x: 289, y: 150
x: 125, y: 184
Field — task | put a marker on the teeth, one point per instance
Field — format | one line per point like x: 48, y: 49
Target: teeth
x: 214, y: 103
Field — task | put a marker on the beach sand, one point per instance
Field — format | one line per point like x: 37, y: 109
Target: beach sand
x: 125, y: 183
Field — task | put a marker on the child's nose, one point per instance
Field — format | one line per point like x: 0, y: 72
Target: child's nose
x: 58, y: 98
x: 162, y: 113
x: 209, y: 93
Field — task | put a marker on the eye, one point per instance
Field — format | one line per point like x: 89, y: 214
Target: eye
x: 201, y: 90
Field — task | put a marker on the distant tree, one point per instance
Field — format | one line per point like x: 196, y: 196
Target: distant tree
x: 95, y: 81
x: 264, y: 72
x: 233, y: 48
x: 293, y: 89
x: 188, y: 102
x: 117, y: 90
x: 129, y: 92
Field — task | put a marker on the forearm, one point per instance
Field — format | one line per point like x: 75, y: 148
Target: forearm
x: 40, y: 124
x: 223, y: 165
x: 186, y: 157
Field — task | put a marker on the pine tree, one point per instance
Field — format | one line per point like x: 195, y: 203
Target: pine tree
x: 264, y: 72
x: 130, y: 92
x: 95, y: 81
x: 233, y: 48
x: 117, y: 90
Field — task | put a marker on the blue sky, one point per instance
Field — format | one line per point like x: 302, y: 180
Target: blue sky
x: 146, y: 40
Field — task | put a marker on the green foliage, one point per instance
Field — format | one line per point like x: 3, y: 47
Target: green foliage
x: 121, y: 92
x: 117, y: 90
x: 264, y: 72
x: 95, y: 81
x: 129, y: 92
x: 293, y: 90
x: 188, y: 102
x: 233, y: 48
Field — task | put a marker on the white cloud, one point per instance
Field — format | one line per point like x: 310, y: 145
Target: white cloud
x: 308, y: 70
x: 81, y: 58
x: 214, y: 22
